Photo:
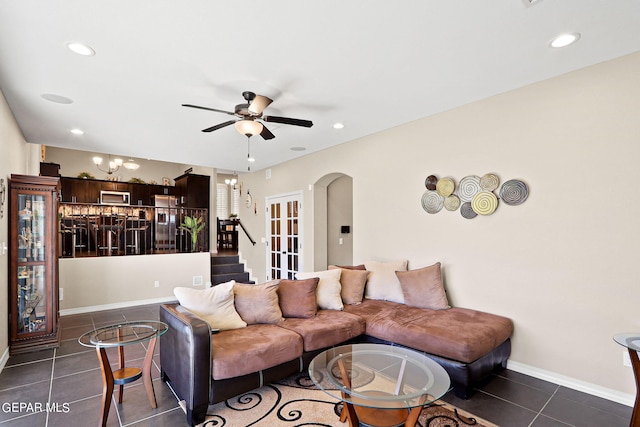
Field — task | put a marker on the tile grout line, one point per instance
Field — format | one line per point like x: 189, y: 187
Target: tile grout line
x: 544, y: 406
x: 53, y: 366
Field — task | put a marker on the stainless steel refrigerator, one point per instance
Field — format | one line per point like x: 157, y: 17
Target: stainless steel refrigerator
x: 165, y: 221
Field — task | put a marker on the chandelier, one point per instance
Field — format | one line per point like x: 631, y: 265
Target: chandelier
x: 114, y: 165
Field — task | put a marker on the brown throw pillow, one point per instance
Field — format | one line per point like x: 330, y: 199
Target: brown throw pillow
x: 353, y: 282
x: 258, y: 303
x: 352, y: 267
x: 298, y: 297
x: 423, y: 288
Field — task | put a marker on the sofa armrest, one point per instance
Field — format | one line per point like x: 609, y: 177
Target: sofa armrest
x: 185, y: 359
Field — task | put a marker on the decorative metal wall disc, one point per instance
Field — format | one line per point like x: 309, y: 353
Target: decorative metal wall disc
x: 431, y: 182
x: 445, y: 187
x: 484, y: 203
x: 432, y: 202
x: 452, y: 202
x: 489, y: 182
x: 466, y: 211
x: 469, y: 186
x: 514, y: 192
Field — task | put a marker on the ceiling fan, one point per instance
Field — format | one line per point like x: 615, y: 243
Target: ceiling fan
x: 249, y: 115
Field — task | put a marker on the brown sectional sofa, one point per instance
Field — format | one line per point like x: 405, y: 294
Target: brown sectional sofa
x: 204, y: 368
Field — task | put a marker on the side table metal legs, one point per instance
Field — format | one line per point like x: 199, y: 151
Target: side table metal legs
x: 124, y: 376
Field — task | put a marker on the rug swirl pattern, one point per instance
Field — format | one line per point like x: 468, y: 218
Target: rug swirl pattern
x: 296, y: 402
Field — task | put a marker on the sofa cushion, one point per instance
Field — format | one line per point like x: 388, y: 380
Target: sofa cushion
x: 214, y: 305
x: 423, y: 288
x: 251, y: 349
x: 328, y: 290
x: 458, y: 333
x: 298, y: 297
x: 258, y: 303
x: 352, y: 283
x: 327, y: 328
x: 382, y: 283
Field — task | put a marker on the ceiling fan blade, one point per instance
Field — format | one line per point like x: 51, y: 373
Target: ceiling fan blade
x: 209, y: 109
x: 220, y: 126
x: 258, y: 104
x: 266, y: 133
x: 288, y: 121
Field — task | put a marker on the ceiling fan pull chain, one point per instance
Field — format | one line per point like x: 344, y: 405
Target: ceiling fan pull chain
x: 248, y: 153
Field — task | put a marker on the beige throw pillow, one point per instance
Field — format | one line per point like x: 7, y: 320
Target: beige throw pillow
x: 352, y: 282
x: 423, y: 288
x: 383, y: 284
x: 214, y: 305
x: 328, y: 292
x: 258, y: 303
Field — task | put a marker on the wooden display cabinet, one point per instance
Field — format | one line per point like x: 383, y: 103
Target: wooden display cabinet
x: 33, y: 266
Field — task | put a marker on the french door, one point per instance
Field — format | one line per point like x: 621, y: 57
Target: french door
x: 284, y: 229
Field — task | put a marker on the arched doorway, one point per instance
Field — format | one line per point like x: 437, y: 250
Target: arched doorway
x: 333, y: 211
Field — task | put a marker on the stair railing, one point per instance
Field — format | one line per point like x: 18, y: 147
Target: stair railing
x: 253, y: 242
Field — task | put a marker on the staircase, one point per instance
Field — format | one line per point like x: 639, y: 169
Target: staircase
x: 227, y: 267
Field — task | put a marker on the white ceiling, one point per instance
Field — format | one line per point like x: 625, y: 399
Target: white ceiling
x: 370, y: 64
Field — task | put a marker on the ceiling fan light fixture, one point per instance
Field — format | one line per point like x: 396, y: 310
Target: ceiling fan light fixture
x: 258, y: 104
x: 248, y: 127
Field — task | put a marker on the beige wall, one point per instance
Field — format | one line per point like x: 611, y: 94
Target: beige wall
x: 561, y: 265
x: 14, y: 159
x: 103, y: 282
x: 339, y: 213
x: 72, y: 162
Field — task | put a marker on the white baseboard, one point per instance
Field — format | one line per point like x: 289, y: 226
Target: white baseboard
x: 91, y: 309
x: 573, y: 383
x: 4, y: 359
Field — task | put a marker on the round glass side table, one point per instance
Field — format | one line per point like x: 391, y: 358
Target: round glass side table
x: 118, y: 336
x: 632, y: 343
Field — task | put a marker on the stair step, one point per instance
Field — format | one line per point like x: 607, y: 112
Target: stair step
x: 224, y: 259
x: 222, y: 278
x: 226, y: 268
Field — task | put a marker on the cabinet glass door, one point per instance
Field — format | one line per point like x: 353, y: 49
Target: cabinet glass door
x: 32, y: 290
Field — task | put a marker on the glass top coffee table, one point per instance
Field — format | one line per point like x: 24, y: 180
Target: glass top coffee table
x: 380, y: 385
x: 118, y: 336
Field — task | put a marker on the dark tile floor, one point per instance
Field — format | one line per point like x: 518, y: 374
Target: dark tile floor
x: 70, y: 377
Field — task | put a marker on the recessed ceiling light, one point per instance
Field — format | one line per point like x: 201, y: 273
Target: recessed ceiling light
x: 297, y: 149
x: 564, y: 40
x: 77, y: 131
x: 251, y: 159
x: 338, y: 125
x: 58, y: 99
x: 81, y: 49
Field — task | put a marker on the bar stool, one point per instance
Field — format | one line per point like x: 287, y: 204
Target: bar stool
x: 137, y: 227
x: 108, y: 229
